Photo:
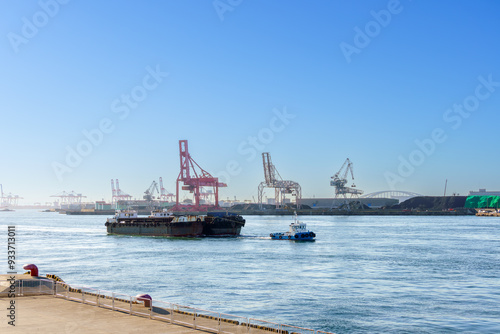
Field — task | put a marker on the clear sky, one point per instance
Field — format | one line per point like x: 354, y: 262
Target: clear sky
x: 97, y: 90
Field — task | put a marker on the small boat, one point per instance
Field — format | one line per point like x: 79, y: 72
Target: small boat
x: 6, y: 209
x: 297, y: 232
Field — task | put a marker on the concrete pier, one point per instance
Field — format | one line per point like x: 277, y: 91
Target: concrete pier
x: 47, y: 314
x: 48, y: 305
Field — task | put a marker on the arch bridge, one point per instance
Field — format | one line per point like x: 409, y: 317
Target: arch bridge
x: 396, y: 194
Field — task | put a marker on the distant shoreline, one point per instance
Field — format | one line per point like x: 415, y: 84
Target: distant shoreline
x: 309, y: 212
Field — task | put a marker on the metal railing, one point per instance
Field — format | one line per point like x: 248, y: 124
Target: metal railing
x: 195, y: 318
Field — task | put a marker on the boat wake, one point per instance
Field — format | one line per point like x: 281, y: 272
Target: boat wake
x: 254, y: 237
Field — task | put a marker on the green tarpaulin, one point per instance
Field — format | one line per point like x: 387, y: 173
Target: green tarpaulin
x: 477, y: 202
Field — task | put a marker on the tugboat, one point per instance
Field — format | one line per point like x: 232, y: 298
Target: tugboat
x: 297, y: 232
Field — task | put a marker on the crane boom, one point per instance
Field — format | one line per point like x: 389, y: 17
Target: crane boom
x: 113, y: 191
x: 272, y: 179
x: 150, y: 192
x: 340, y: 180
x: 193, y: 177
x: 162, y: 189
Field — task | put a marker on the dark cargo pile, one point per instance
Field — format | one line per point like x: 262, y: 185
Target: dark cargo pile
x: 432, y: 203
x: 354, y: 205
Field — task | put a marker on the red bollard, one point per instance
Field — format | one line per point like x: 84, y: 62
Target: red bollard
x: 32, y: 268
x: 145, y: 298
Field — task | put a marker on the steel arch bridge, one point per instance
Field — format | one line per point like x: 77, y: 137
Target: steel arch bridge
x: 396, y: 194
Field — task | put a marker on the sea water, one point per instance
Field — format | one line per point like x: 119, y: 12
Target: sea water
x: 363, y: 274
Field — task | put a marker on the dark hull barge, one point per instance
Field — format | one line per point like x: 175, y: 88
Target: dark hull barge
x: 222, y: 224
x: 168, y: 225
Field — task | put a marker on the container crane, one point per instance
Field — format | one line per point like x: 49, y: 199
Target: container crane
x: 205, y: 195
x: 113, y: 191
x: 164, y: 195
x: 69, y: 198
x: 272, y: 179
x: 193, y: 177
x: 9, y: 199
x: 340, y: 180
x: 118, y: 194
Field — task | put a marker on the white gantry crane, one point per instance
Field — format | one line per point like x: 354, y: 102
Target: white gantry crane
x: 8, y: 199
x: 118, y: 194
x: 164, y: 194
x: 340, y: 180
x: 69, y: 198
x: 281, y: 187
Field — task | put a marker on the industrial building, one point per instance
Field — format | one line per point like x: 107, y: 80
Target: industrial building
x: 483, y: 192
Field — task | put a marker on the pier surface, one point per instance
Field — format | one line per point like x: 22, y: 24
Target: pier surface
x: 48, y: 305
x: 46, y: 314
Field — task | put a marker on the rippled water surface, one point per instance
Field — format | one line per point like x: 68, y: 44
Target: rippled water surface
x: 362, y: 274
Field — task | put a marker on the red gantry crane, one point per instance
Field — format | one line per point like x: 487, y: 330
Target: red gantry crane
x: 193, y: 177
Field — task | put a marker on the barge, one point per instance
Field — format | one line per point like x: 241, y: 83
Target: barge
x: 221, y: 224
x: 166, y: 224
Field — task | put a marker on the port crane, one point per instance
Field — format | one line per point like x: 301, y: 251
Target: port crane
x: 164, y: 195
x: 9, y: 199
x: 340, y: 180
x: 193, y: 178
x: 118, y: 194
x: 272, y: 179
x: 69, y: 198
x: 149, y: 194
x: 205, y: 194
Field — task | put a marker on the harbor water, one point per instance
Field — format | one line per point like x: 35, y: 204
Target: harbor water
x: 363, y: 274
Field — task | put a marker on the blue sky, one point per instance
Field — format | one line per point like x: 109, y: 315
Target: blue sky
x: 375, y: 82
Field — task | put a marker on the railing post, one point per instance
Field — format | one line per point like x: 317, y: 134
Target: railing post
x: 67, y: 292
x: 130, y: 312
x: 151, y: 309
x: 218, y: 323
x: 194, y: 318
x: 113, y: 297
x: 97, y: 298
x: 171, y: 313
x: 83, y: 297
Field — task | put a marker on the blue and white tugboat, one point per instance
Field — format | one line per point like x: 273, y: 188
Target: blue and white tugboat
x: 297, y: 232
